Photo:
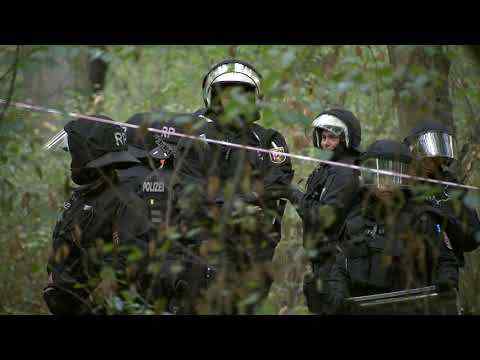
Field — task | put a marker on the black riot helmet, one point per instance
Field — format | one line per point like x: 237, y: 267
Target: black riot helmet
x: 385, y: 155
x: 93, y: 144
x: 430, y: 139
x: 342, y: 123
x: 230, y: 72
x: 142, y: 142
x: 95, y: 148
x: 136, y: 136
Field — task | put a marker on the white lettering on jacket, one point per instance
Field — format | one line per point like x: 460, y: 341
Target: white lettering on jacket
x: 153, y: 186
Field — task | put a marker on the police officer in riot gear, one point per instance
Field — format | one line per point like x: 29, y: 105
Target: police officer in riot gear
x: 99, y: 226
x: 220, y: 184
x: 174, y: 282
x: 433, y: 147
x: 330, y: 193
x: 388, y: 243
x: 152, y: 181
x: 157, y: 193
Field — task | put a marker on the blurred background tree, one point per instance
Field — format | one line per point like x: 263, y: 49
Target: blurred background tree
x: 389, y: 88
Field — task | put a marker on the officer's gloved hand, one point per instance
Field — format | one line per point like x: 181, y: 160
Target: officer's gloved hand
x: 314, y: 299
x: 322, y: 301
x: 289, y: 192
x: 295, y: 194
x: 64, y: 303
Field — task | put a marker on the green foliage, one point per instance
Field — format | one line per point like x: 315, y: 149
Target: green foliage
x: 32, y: 193
x: 298, y: 83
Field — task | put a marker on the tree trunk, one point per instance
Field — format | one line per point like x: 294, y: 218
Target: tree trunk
x: 421, y: 89
x: 49, y: 82
x: 70, y: 78
x: 97, y: 70
x: 470, y: 154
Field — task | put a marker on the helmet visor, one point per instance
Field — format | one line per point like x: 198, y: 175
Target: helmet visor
x: 58, y: 141
x: 434, y: 144
x: 370, y: 178
x: 330, y: 123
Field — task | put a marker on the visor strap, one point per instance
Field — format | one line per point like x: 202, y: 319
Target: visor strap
x: 316, y: 138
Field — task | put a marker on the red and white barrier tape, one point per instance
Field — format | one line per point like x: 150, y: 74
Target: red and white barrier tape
x: 234, y: 145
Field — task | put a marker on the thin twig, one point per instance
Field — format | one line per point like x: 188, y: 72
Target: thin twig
x: 12, y: 82
x: 376, y: 76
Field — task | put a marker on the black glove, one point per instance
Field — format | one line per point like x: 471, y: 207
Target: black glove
x: 289, y: 192
x: 322, y: 302
x: 64, y: 303
x: 295, y: 195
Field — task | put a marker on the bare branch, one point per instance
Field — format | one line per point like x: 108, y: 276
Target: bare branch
x: 12, y: 82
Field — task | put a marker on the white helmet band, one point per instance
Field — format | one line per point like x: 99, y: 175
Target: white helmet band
x: 230, y: 73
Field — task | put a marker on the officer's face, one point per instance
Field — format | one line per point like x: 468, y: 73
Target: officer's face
x: 329, y: 140
x: 235, y: 95
x: 388, y: 195
x: 235, y: 101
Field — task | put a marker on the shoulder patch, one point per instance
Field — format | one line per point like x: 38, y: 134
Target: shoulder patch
x: 277, y: 158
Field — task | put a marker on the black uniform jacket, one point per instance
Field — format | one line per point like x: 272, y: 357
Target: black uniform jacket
x: 208, y: 173
x: 459, y: 221
x: 156, y: 190
x: 133, y: 177
x: 379, y: 255
x: 331, y: 192
x: 99, y: 226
